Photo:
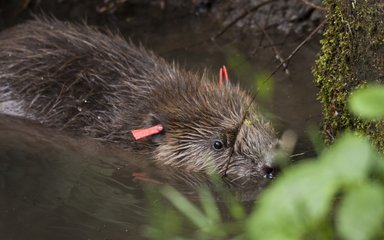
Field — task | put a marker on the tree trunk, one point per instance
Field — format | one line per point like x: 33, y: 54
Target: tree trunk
x: 352, y: 55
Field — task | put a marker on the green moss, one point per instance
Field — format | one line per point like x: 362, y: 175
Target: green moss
x: 352, y: 54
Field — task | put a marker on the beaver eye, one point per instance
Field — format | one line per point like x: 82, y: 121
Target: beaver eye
x: 218, y: 145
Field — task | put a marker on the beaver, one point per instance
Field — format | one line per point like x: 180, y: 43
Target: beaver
x: 97, y: 84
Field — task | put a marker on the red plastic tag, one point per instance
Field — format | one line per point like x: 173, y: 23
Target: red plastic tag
x: 221, y: 77
x: 145, y: 132
x: 143, y: 177
x: 223, y: 71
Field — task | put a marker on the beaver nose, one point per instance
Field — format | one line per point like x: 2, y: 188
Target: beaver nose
x: 269, y: 171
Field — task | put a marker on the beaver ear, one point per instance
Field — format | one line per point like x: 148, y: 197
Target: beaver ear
x: 155, y: 120
x: 152, y: 130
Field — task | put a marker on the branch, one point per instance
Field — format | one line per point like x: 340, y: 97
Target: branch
x: 278, y: 55
x: 241, y: 16
x: 286, y: 61
x: 313, y: 5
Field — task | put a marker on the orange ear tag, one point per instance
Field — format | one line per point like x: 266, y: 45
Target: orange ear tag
x: 146, y: 132
x: 221, y: 77
x: 223, y: 71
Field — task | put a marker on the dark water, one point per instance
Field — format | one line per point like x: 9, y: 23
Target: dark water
x: 54, y: 186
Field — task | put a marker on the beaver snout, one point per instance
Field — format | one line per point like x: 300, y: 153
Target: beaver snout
x: 269, y: 171
x: 269, y: 167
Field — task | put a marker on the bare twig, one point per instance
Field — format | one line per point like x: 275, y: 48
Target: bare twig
x: 313, y: 5
x: 241, y: 16
x: 263, y: 29
x: 274, y: 48
x: 285, y: 62
x: 298, y: 154
x: 330, y: 135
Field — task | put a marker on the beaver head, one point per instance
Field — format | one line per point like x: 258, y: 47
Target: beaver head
x: 210, y: 128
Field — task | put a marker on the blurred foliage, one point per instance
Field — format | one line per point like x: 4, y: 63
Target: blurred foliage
x: 368, y: 102
x: 338, y: 195
x: 260, y: 82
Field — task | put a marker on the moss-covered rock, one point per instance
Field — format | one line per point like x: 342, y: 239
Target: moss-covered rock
x: 352, y: 55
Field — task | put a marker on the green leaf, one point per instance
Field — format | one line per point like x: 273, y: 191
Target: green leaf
x: 302, y: 197
x: 368, y: 102
x: 316, y: 138
x: 361, y: 213
x: 350, y: 159
x: 186, y: 207
x: 209, y: 205
x: 298, y: 199
x: 378, y: 169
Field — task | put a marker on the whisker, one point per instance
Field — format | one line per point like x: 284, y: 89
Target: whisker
x: 298, y: 154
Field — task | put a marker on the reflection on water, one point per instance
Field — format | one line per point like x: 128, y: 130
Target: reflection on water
x: 54, y: 186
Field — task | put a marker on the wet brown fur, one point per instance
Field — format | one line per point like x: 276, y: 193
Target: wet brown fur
x: 78, y: 79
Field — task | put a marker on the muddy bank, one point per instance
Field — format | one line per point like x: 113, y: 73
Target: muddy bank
x: 296, y: 16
